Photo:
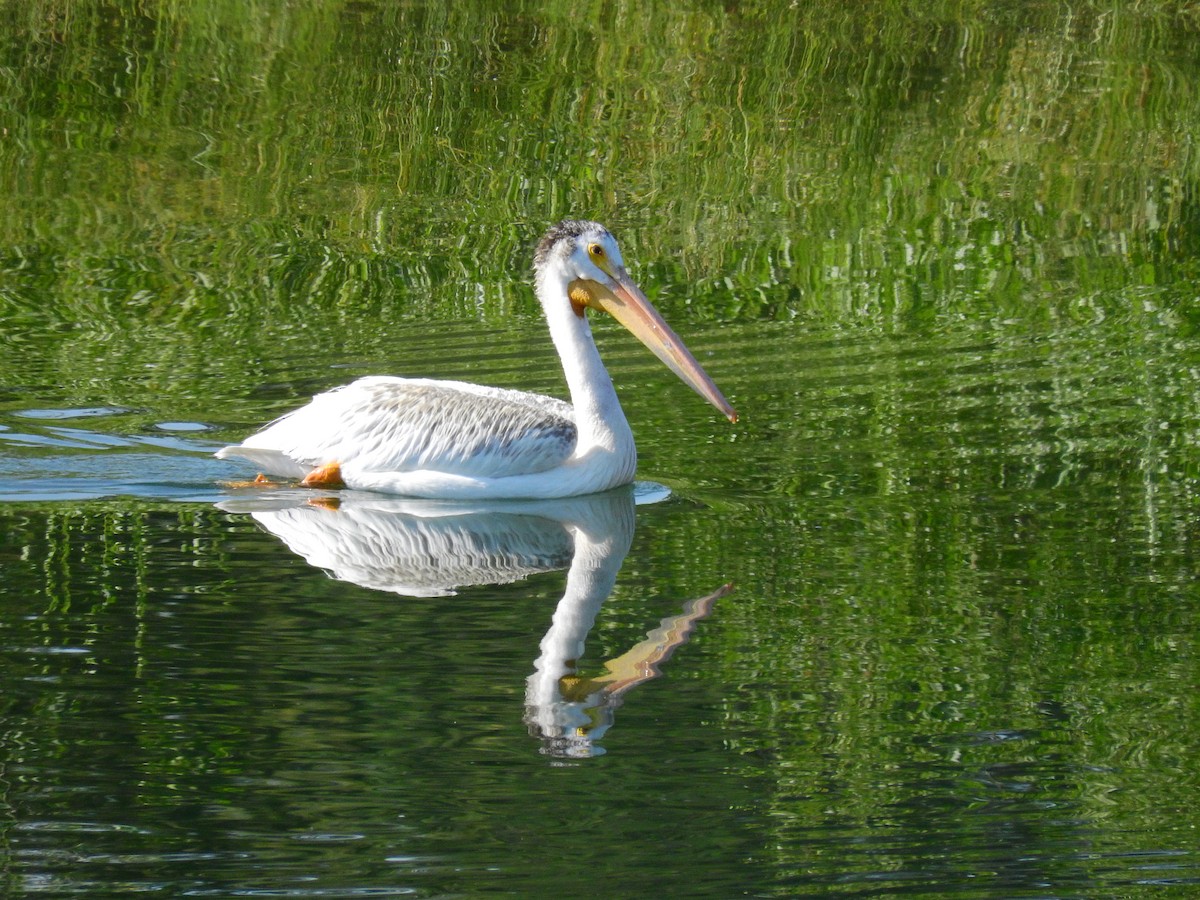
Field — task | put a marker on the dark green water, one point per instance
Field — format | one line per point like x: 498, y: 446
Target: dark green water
x: 943, y: 259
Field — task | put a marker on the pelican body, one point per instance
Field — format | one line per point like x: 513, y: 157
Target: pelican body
x: 454, y: 440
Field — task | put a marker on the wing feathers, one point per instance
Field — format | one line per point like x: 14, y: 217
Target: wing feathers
x: 381, y: 424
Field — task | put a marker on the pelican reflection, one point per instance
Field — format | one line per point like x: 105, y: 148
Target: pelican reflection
x: 430, y: 548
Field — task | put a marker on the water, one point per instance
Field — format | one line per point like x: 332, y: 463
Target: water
x: 923, y: 622
x: 947, y: 665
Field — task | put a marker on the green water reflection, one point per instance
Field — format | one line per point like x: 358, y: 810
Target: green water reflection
x: 942, y: 258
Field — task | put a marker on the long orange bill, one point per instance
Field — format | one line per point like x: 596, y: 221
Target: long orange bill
x: 626, y: 303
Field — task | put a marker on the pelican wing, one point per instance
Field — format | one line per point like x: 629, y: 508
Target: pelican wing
x: 383, y: 424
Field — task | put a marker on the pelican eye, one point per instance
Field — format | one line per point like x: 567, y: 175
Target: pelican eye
x: 595, y: 251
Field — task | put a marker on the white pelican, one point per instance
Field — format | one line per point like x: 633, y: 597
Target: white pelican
x: 452, y: 440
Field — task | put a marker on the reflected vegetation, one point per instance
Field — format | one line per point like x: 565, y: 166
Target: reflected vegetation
x: 433, y: 549
x: 349, y: 158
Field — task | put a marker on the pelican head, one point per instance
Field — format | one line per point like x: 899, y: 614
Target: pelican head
x: 579, y: 262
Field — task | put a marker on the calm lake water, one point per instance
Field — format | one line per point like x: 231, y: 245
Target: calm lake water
x: 924, y: 622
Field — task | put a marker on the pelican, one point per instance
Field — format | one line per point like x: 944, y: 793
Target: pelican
x: 453, y: 440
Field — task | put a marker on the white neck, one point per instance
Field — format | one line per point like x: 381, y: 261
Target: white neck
x: 598, y: 416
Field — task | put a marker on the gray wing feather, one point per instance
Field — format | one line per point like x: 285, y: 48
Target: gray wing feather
x: 383, y: 424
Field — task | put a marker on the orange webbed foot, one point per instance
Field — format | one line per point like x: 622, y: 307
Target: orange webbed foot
x: 259, y: 481
x: 326, y: 476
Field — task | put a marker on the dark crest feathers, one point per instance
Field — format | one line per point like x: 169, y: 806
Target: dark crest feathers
x: 566, y: 229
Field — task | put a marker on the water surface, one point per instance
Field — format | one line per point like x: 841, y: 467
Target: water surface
x: 922, y: 623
